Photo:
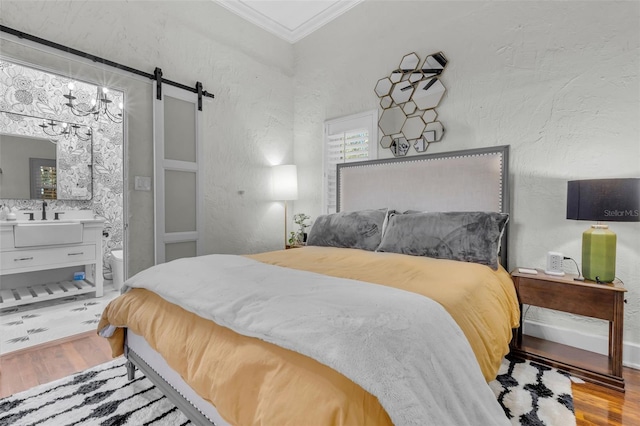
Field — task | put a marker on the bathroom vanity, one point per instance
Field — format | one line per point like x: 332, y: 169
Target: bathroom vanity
x: 27, y: 247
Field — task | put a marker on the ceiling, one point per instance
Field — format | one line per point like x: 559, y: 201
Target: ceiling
x: 290, y: 20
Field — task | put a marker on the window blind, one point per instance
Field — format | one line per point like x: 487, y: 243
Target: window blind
x: 348, y: 139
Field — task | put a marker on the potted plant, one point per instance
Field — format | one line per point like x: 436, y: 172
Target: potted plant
x: 301, y: 219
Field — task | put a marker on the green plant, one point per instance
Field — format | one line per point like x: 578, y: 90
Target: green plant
x: 299, y: 219
x: 293, y: 238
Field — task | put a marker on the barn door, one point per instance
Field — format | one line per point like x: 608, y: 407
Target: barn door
x: 177, y: 174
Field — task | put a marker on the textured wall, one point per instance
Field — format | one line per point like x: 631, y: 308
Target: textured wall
x: 247, y: 127
x: 558, y: 81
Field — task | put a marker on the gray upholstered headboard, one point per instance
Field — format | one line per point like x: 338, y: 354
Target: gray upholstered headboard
x: 469, y: 180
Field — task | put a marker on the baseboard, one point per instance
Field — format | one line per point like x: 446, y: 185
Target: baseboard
x: 589, y: 342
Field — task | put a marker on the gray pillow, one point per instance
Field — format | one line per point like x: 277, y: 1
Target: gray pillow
x: 465, y: 236
x: 361, y: 229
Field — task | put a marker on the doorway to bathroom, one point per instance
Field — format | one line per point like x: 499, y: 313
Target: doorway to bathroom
x: 47, y: 102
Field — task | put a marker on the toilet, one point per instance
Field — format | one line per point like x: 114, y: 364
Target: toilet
x: 117, y: 268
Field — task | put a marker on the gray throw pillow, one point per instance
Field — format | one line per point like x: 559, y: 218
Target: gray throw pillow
x: 361, y: 230
x: 465, y: 236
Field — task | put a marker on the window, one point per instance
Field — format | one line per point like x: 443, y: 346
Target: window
x: 347, y: 139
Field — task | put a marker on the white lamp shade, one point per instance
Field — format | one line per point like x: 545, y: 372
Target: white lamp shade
x: 285, y: 182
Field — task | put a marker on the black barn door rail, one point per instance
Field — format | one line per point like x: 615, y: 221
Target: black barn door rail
x: 157, y: 74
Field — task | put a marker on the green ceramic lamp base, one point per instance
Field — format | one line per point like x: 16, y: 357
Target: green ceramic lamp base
x: 599, y: 254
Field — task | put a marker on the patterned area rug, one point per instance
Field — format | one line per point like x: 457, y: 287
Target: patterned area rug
x: 530, y: 394
x: 534, y: 394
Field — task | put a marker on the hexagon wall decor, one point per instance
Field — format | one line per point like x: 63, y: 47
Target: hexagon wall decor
x: 408, y: 98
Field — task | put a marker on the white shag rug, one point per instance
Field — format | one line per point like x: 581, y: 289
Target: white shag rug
x: 530, y: 394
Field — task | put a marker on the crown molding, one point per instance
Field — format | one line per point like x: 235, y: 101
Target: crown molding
x: 303, y: 29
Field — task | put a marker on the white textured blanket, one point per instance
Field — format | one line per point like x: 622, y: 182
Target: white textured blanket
x: 403, y: 348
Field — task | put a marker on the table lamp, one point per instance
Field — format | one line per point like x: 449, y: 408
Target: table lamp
x: 609, y: 200
x: 285, y: 188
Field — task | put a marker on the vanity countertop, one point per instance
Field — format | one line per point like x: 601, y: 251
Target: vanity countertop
x: 78, y: 218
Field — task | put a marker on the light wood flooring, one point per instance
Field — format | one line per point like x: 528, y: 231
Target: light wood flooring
x: 594, y: 405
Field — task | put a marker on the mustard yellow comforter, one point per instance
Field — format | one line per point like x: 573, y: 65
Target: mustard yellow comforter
x: 255, y: 382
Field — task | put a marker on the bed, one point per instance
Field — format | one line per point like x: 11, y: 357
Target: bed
x: 340, y: 331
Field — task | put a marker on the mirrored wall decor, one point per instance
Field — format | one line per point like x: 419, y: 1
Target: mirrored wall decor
x: 386, y: 102
x: 391, y: 120
x: 383, y: 87
x: 385, y: 142
x: 400, y: 146
x: 413, y: 128
x: 408, y: 98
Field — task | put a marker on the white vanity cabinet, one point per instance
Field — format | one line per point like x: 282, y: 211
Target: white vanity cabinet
x: 47, y: 254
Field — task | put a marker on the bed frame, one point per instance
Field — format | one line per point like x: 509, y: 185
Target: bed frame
x: 469, y: 180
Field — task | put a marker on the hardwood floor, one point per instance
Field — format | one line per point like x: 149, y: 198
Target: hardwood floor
x: 27, y: 368
x: 597, y: 405
x: 594, y: 405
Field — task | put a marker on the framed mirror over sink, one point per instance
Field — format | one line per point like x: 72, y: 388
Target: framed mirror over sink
x: 57, y: 166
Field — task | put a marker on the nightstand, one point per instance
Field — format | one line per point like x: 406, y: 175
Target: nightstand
x: 586, y: 298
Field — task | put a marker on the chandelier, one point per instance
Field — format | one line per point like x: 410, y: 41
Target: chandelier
x: 66, y: 130
x: 100, y: 105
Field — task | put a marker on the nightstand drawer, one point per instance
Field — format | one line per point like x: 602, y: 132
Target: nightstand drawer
x: 587, y: 301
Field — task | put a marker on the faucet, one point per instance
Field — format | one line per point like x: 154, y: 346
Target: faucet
x: 44, y: 210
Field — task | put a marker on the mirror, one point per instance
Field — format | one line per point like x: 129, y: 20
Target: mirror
x: 428, y: 93
x: 433, y: 131
x: 386, y: 102
x: 383, y: 87
x: 400, y: 146
x: 420, y: 145
x: 434, y: 64
x: 409, y: 63
x: 408, y: 98
x: 413, y: 128
x: 44, y: 159
x: 409, y: 108
x: 391, y: 121
x: 402, y: 92
x: 385, y: 142
x: 429, y: 115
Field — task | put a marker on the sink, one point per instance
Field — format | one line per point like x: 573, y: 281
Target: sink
x: 47, y: 234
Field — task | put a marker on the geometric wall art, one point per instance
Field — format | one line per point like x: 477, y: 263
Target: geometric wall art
x: 408, y: 98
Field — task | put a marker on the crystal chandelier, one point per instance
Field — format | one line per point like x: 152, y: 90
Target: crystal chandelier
x: 100, y: 105
x: 66, y: 130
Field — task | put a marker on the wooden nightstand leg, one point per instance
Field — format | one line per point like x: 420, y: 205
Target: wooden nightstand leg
x: 615, y: 337
x: 612, y: 338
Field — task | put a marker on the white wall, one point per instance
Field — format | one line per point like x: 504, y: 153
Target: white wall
x: 247, y: 127
x: 557, y: 81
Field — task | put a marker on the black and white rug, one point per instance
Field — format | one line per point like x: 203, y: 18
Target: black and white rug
x: 534, y: 394
x: 531, y: 394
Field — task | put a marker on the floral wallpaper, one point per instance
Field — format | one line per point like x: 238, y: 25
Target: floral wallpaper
x: 29, y: 97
